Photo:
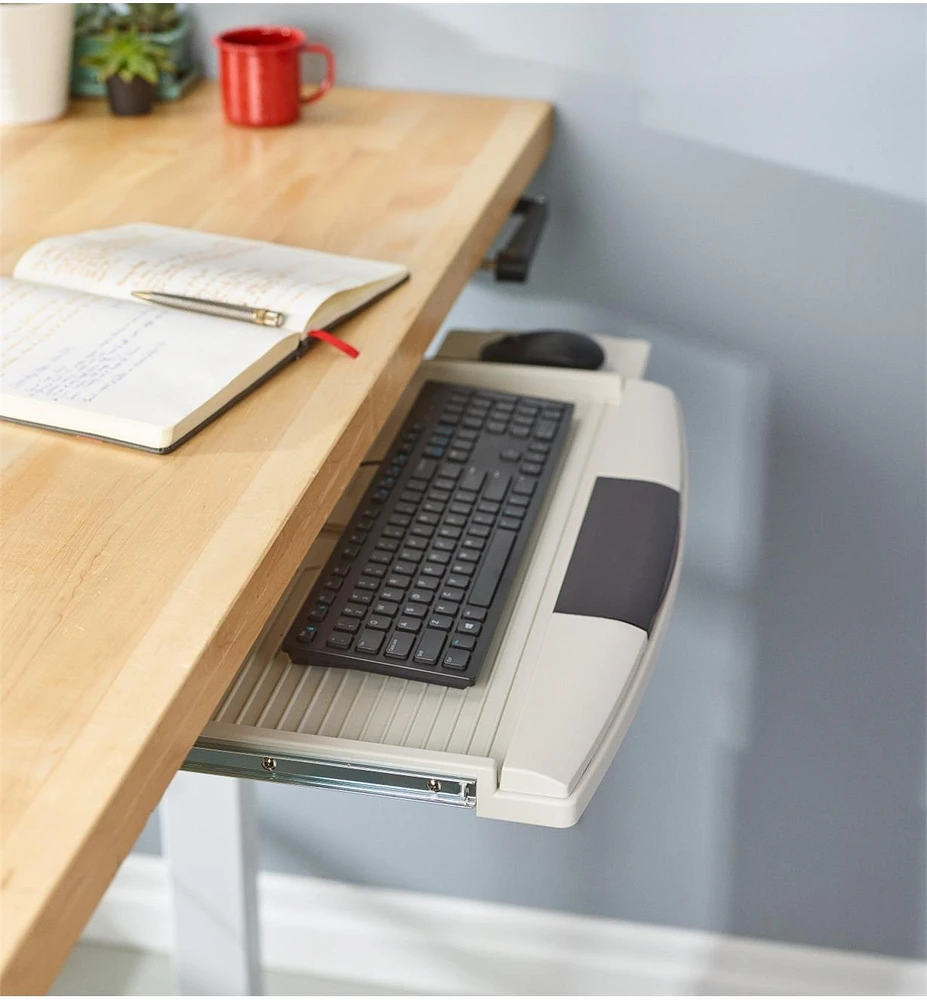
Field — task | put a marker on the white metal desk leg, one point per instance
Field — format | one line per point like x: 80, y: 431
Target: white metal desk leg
x: 208, y: 837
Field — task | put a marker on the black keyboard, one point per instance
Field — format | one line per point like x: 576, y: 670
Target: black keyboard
x: 417, y: 583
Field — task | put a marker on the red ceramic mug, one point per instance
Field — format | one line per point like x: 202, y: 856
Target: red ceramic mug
x: 260, y: 74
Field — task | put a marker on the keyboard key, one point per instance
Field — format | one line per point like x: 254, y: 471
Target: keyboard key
x: 460, y: 508
x: 488, y: 507
x: 470, y: 628
x: 458, y: 455
x: 457, y: 582
x: 406, y: 624
x: 373, y: 570
x: 510, y: 455
x: 463, y: 641
x: 361, y: 596
x: 333, y: 583
x: 492, y: 567
x: 455, y: 520
x: 517, y: 500
x: 370, y: 641
x: 339, y: 640
x: 384, y: 558
x: 411, y: 497
x: 468, y: 555
x: 347, y: 625
x: 353, y: 611
x: 429, y: 649
x: 442, y: 558
x: 393, y: 594
x: 326, y: 597
x: 433, y: 569
x: 444, y: 544
x: 475, y: 614
x: 380, y: 622
x: 450, y: 470
x: 350, y: 552
x: 318, y: 614
x: 452, y: 594
x: 414, y: 610
x: 456, y: 659
x: 532, y: 469
x: 365, y: 583
x: 444, y: 484
x: 545, y: 430
x: 524, y: 487
x: 406, y: 508
x: 414, y: 542
x: 473, y: 543
x: 307, y: 635
x: 388, y: 544
x: 473, y: 479
x: 383, y: 608
x: 479, y: 530
x: 407, y: 568
x: 486, y: 520
x: 400, y: 520
x: 398, y: 580
x: 443, y: 622
x: 439, y: 496
x: 518, y: 512
x: 447, y: 608
x: 422, y: 595
x: 425, y: 468
x: 520, y: 432
x: 394, y: 532
x: 497, y: 485
x: 431, y: 508
x: 495, y: 427
x: 399, y: 646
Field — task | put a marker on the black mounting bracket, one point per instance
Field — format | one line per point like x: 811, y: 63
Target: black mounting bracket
x: 514, y: 260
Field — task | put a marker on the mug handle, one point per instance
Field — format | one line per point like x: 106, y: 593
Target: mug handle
x: 326, y: 85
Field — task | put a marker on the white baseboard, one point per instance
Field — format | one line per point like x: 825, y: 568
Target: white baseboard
x: 433, y: 944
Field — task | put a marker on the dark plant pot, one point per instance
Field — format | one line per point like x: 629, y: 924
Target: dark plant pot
x: 134, y: 98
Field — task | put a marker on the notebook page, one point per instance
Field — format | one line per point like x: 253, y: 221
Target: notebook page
x: 149, y: 257
x: 108, y: 360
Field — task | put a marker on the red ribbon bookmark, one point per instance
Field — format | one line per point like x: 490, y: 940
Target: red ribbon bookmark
x: 330, y: 338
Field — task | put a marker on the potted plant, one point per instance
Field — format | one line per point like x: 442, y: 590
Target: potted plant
x: 129, y: 66
x: 164, y: 23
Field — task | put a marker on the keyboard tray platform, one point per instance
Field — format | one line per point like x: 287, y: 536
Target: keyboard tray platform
x: 530, y: 741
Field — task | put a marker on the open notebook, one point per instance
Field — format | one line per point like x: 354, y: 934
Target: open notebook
x: 80, y: 354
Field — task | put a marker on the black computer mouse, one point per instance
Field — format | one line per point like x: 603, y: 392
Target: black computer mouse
x: 555, y: 348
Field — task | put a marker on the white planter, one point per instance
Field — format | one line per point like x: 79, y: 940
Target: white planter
x: 35, y: 61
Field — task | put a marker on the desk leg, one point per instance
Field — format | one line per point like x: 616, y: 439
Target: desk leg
x: 208, y: 836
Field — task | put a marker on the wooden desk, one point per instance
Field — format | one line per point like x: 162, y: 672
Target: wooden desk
x: 133, y: 584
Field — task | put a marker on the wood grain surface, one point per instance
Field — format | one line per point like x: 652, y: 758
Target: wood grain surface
x: 134, y: 584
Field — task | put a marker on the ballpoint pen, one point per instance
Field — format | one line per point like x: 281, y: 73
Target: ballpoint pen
x: 247, y: 314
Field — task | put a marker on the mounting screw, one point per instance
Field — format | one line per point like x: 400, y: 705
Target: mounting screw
x: 433, y: 785
x: 269, y: 763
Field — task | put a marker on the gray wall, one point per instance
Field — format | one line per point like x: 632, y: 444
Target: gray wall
x: 744, y: 185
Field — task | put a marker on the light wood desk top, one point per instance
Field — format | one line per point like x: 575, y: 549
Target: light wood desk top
x: 134, y: 584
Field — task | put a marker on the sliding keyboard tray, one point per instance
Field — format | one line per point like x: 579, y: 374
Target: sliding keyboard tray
x: 531, y: 740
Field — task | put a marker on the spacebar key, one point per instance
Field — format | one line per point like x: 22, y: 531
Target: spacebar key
x: 494, y: 560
